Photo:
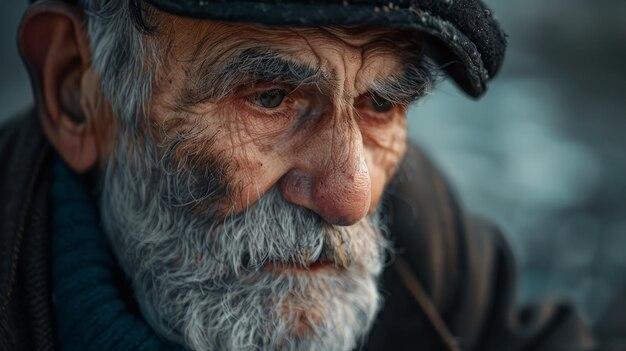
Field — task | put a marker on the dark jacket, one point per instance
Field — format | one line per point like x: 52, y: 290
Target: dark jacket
x: 450, y: 285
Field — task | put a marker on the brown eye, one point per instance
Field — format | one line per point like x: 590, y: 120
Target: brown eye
x: 271, y: 98
x: 379, y: 104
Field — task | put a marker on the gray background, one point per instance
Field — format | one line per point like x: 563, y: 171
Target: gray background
x: 542, y: 154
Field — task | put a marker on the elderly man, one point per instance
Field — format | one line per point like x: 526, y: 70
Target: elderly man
x: 213, y: 175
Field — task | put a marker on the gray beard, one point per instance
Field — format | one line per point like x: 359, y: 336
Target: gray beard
x: 242, y: 282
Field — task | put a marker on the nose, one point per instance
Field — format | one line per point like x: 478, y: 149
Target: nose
x: 332, y: 177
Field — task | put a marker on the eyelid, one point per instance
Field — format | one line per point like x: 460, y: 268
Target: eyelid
x: 370, y: 116
x: 260, y: 87
x: 283, y: 110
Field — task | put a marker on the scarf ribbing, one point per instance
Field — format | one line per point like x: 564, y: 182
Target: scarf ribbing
x: 94, y: 307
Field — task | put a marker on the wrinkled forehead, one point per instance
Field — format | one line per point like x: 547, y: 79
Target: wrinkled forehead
x: 208, y: 44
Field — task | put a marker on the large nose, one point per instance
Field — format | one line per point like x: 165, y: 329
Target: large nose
x: 331, y: 177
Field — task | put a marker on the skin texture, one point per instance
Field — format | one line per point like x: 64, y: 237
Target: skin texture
x: 334, y: 159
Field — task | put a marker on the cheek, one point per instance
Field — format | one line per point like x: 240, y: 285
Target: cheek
x: 258, y: 147
x: 253, y: 148
x: 257, y: 172
x: 262, y: 158
x: 384, y: 150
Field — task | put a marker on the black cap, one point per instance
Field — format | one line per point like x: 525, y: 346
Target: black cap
x: 461, y: 35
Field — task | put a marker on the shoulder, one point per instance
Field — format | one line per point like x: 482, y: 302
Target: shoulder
x: 23, y: 151
x: 466, y: 272
x: 24, y: 253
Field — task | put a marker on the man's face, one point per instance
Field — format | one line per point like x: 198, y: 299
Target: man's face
x: 246, y: 214
x: 301, y: 111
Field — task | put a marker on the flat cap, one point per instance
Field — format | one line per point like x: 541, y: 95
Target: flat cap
x: 461, y: 35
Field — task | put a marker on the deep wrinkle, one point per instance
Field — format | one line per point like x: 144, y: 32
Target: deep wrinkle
x: 324, y: 129
x: 403, y: 87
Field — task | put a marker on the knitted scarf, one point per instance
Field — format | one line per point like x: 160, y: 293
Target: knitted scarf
x: 94, y: 306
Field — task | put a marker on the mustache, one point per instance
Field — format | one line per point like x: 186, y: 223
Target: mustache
x: 276, y: 231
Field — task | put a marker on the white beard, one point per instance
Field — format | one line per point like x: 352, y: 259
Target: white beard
x: 213, y: 283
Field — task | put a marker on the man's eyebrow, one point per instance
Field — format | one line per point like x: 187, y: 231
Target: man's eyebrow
x: 414, y: 82
x: 214, y: 79
x: 265, y: 65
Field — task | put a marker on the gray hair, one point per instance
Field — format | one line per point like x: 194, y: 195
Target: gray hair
x: 203, y: 281
x: 122, y: 55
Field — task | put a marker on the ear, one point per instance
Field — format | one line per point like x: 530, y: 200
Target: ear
x: 55, y: 48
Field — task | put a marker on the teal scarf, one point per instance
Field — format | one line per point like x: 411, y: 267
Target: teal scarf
x: 95, y: 309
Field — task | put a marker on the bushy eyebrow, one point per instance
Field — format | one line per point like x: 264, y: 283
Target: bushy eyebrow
x: 415, y: 81
x: 214, y: 79
x: 270, y: 66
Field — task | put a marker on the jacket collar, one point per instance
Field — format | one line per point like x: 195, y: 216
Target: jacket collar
x: 25, y: 298
x: 24, y: 152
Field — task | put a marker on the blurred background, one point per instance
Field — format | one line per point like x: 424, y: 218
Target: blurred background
x: 542, y: 154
